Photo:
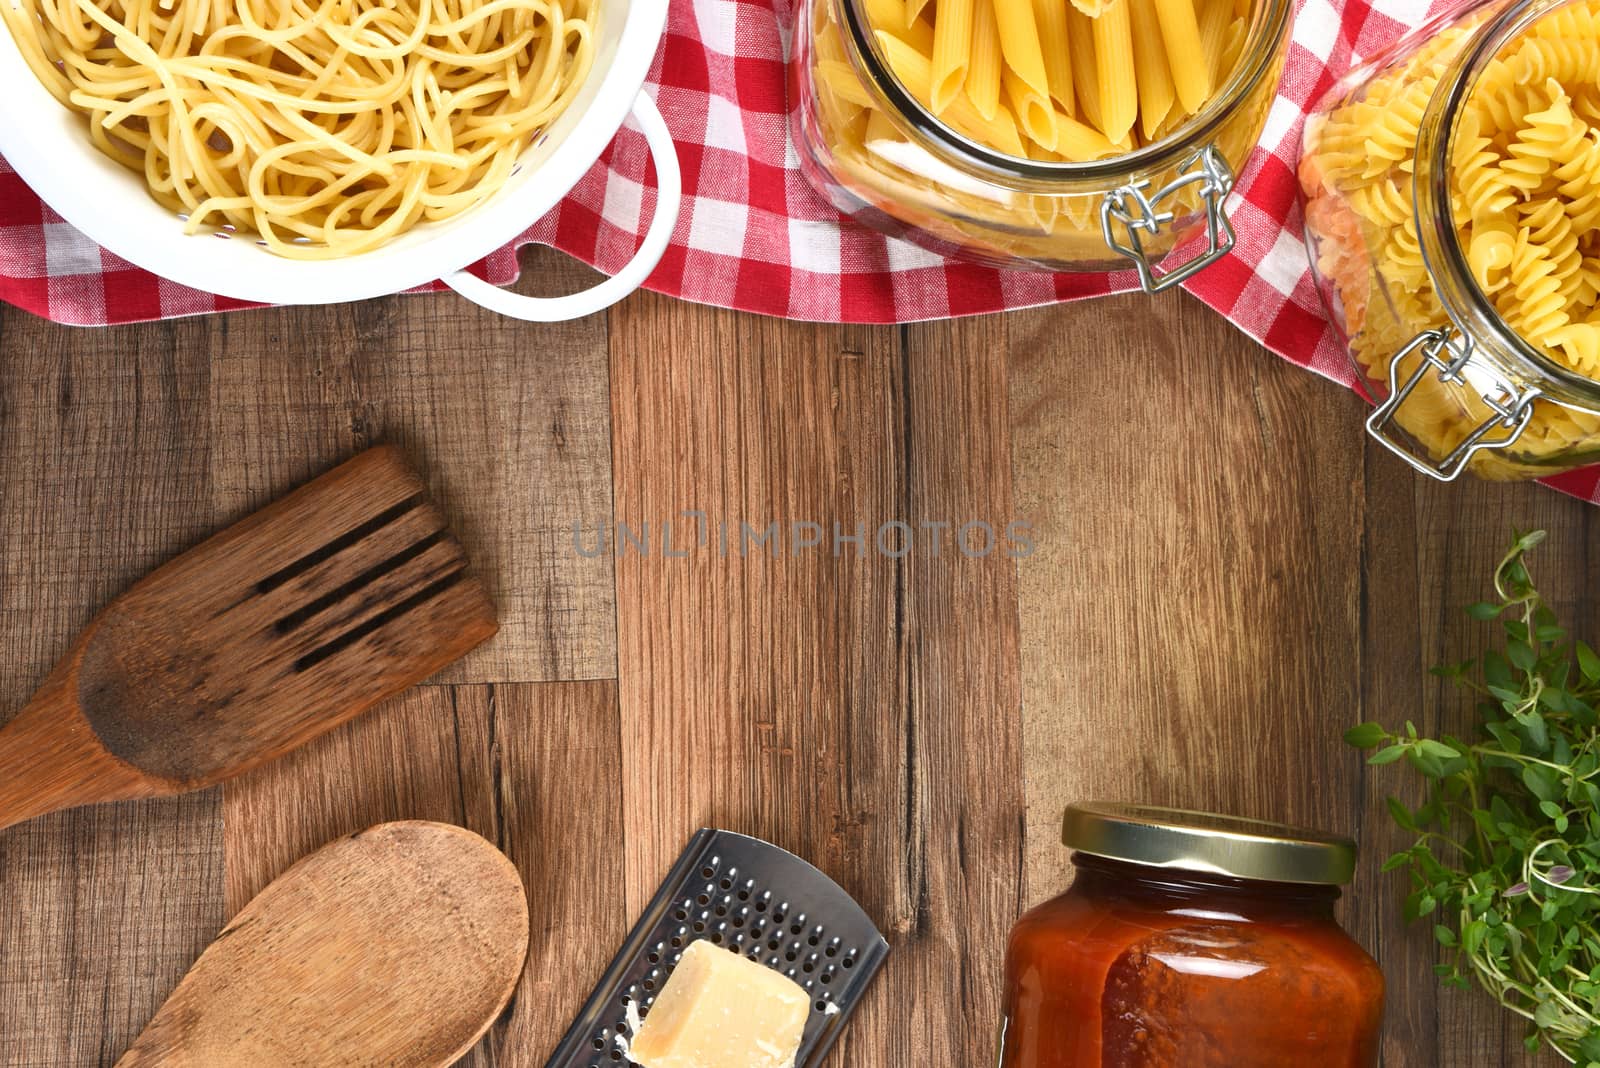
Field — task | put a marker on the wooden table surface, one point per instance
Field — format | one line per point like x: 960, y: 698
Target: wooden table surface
x: 1225, y: 575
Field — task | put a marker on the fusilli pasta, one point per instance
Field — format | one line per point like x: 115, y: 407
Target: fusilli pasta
x: 1525, y: 197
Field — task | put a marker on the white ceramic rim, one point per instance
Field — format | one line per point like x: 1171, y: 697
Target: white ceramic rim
x: 77, y: 196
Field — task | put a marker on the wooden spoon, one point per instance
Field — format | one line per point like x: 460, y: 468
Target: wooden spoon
x: 398, y: 947
x: 272, y: 632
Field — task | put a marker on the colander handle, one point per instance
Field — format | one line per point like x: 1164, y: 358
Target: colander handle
x: 669, y: 199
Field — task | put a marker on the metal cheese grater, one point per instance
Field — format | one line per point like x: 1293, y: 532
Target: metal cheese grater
x: 745, y: 895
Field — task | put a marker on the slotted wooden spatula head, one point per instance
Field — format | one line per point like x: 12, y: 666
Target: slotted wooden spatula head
x: 398, y: 946
x: 272, y: 632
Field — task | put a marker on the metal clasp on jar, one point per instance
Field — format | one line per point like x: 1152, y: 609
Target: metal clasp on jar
x: 1452, y: 357
x: 1142, y: 217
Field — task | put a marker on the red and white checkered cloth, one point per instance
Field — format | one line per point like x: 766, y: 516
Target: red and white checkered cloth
x: 754, y: 236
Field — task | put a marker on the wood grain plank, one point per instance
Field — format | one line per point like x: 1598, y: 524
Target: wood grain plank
x: 531, y: 767
x: 507, y: 420
x: 1189, y: 618
x: 103, y: 474
x: 858, y: 709
x: 1394, y: 686
x: 1463, y: 530
x: 1265, y: 578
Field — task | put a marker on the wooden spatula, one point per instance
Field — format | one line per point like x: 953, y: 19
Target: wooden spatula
x: 272, y: 632
x: 398, y: 946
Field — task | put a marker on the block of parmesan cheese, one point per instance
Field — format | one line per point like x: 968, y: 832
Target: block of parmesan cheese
x: 719, y: 1010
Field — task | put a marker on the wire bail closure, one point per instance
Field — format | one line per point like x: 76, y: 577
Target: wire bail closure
x: 1450, y: 354
x: 1141, y: 216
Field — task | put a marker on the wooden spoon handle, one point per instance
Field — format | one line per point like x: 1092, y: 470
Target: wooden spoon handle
x: 50, y: 759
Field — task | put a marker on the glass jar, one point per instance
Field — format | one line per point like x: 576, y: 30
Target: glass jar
x: 1191, y: 941
x: 1400, y: 181
x: 880, y: 156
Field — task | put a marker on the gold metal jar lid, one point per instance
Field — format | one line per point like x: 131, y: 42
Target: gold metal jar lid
x: 1202, y: 842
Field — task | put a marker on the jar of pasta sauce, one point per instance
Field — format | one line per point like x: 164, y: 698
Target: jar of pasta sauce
x: 1038, y: 133
x: 1452, y: 190
x: 1191, y: 941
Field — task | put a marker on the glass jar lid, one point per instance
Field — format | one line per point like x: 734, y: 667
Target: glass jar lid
x: 1201, y: 841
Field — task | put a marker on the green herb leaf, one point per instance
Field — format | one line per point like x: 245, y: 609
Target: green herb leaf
x: 1401, y: 814
x: 1388, y: 755
x: 1541, y: 782
x: 1506, y: 849
x: 1588, y: 663
x: 1365, y: 735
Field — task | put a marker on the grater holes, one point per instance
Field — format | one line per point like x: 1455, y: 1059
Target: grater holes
x: 833, y: 948
x: 822, y: 1005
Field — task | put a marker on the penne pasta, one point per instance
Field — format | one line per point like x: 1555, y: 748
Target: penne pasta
x: 1078, y: 142
x: 1019, y: 43
x: 1060, y: 80
x: 891, y: 15
x: 1191, y: 75
x: 879, y: 128
x: 915, y: 72
x: 983, y: 74
x: 887, y: 14
x: 1033, y: 110
x: 1154, y: 77
x: 841, y: 80
x: 1051, y: 18
x: 1214, y: 18
x: 952, y: 50
x: 1113, y: 54
x: 1232, y: 49
x: 1085, y: 78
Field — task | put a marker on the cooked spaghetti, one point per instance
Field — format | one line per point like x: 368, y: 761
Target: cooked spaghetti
x: 327, y: 127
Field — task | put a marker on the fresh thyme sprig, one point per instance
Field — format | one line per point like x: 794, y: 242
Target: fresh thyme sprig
x: 1507, y: 854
